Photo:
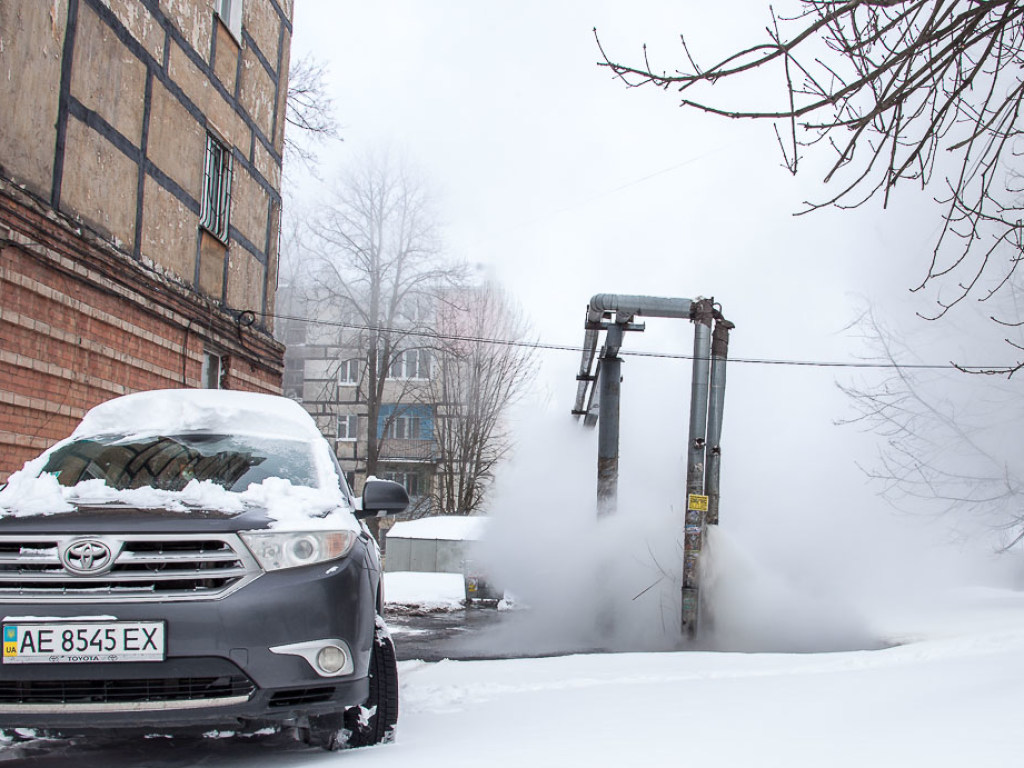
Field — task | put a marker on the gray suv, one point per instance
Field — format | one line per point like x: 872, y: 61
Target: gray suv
x: 195, y: 558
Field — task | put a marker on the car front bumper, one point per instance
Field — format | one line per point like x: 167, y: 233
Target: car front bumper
x: 219, y: 666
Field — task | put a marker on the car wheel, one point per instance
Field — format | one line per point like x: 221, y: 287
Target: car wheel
x: 374, y: 721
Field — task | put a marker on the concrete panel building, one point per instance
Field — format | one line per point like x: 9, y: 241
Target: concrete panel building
x: 326, y: 371
x: 141, y: 145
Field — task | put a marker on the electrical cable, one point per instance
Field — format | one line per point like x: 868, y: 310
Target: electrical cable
x: 519, y: 343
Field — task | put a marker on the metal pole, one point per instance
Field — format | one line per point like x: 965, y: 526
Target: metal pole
x: 699, y: 396
x: 609, y: 382
x: 716, y: 404
x: 702, y: 315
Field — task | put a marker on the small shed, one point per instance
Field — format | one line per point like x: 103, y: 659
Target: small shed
x: 440, y: 544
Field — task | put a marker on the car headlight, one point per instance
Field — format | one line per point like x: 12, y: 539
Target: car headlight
x: 274, y: 550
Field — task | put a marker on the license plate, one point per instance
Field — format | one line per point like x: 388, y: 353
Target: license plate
x: 83, y: 642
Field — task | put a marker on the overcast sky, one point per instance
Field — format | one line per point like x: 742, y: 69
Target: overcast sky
x: 566, y: 184
x: 563, y: 184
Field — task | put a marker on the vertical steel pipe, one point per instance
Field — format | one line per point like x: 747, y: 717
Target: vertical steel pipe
x: 610, y: 387
x: 693, y: 531
x: 716, y: 405
x: 699, y: 396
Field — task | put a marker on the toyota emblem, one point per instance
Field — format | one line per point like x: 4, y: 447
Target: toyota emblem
x: 87, y: 557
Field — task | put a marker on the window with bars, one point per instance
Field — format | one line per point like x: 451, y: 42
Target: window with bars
x: 216, y: 189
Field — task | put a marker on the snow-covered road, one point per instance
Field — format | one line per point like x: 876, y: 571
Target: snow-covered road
x: 950, y: 694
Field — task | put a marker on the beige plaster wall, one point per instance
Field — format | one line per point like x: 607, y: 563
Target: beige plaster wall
x: 177, y: 143
x: 107, y: 77
x: 100, y: 183
x: 31, y: 46
x: 169, y: 232
x: 245, y: 280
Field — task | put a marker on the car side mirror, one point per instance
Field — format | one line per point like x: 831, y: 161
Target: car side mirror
x: 382, y: 497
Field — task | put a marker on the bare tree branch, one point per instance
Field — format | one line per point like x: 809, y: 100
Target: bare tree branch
x: 893, y: 87
x: 944, y: 442
x: 309, y: 112
x: 475, y: 386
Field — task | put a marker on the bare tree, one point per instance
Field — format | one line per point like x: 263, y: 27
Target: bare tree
x: 948, y: 441
x: 309, y: 113
x: 481, y: 372
x: 892, y: 86
x: 373, y: 254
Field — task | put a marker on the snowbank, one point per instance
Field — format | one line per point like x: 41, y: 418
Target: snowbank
x: 425, y: 591
x: 445, y: 528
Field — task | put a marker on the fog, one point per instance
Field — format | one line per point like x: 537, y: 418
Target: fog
x: 807, y: 556
x: 560, y: 183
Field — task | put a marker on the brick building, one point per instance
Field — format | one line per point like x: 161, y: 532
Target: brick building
x: 140, y: 170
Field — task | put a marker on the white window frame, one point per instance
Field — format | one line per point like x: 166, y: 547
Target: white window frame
x: 230, y: 12
x: 405, y: 426
x: 215, y: 214
x: 402, y: 478
x: 347, y: 427
x: 411, y: 364
x: 348, y: 372
x: 212, y: 374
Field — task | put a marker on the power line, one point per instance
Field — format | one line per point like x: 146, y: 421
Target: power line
x: 519, y: 343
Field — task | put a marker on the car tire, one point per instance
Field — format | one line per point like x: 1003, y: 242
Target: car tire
x: 374, y: 721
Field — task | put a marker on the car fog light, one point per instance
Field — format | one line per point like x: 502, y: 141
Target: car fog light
x: 331, y: 659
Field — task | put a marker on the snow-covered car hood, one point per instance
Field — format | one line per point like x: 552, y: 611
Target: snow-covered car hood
x: 274, y: 503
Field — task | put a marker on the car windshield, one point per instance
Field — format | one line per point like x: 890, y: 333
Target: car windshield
x: 170, y: 462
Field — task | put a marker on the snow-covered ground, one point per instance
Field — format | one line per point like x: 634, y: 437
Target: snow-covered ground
x: 426, y: 591
x: 950, y: 694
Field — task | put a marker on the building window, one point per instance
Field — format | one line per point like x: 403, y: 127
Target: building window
x: 411, y: 364
x: 348, y: 426
x: 216, y: 189
x: 294, y: 375
x: 230, y: 12
x: 348, y: 372
x: 411, y: 481
x: 294, y: 332
x: 405, y: 427
x: 214, y: 366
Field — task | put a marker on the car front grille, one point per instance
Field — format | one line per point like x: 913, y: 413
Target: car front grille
x: 112, y: 695
x: 145, y: 567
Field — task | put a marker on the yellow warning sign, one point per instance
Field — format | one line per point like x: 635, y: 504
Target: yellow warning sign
x: 697, y: 503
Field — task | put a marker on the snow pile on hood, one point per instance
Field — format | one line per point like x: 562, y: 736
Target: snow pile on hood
x: 176, y: 411
x: 31, y: 494
x: 204, y: 494
x: 288, y: 506
x: 291, y: 506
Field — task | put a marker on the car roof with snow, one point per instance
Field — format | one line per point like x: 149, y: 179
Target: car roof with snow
x: 221, y: 411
